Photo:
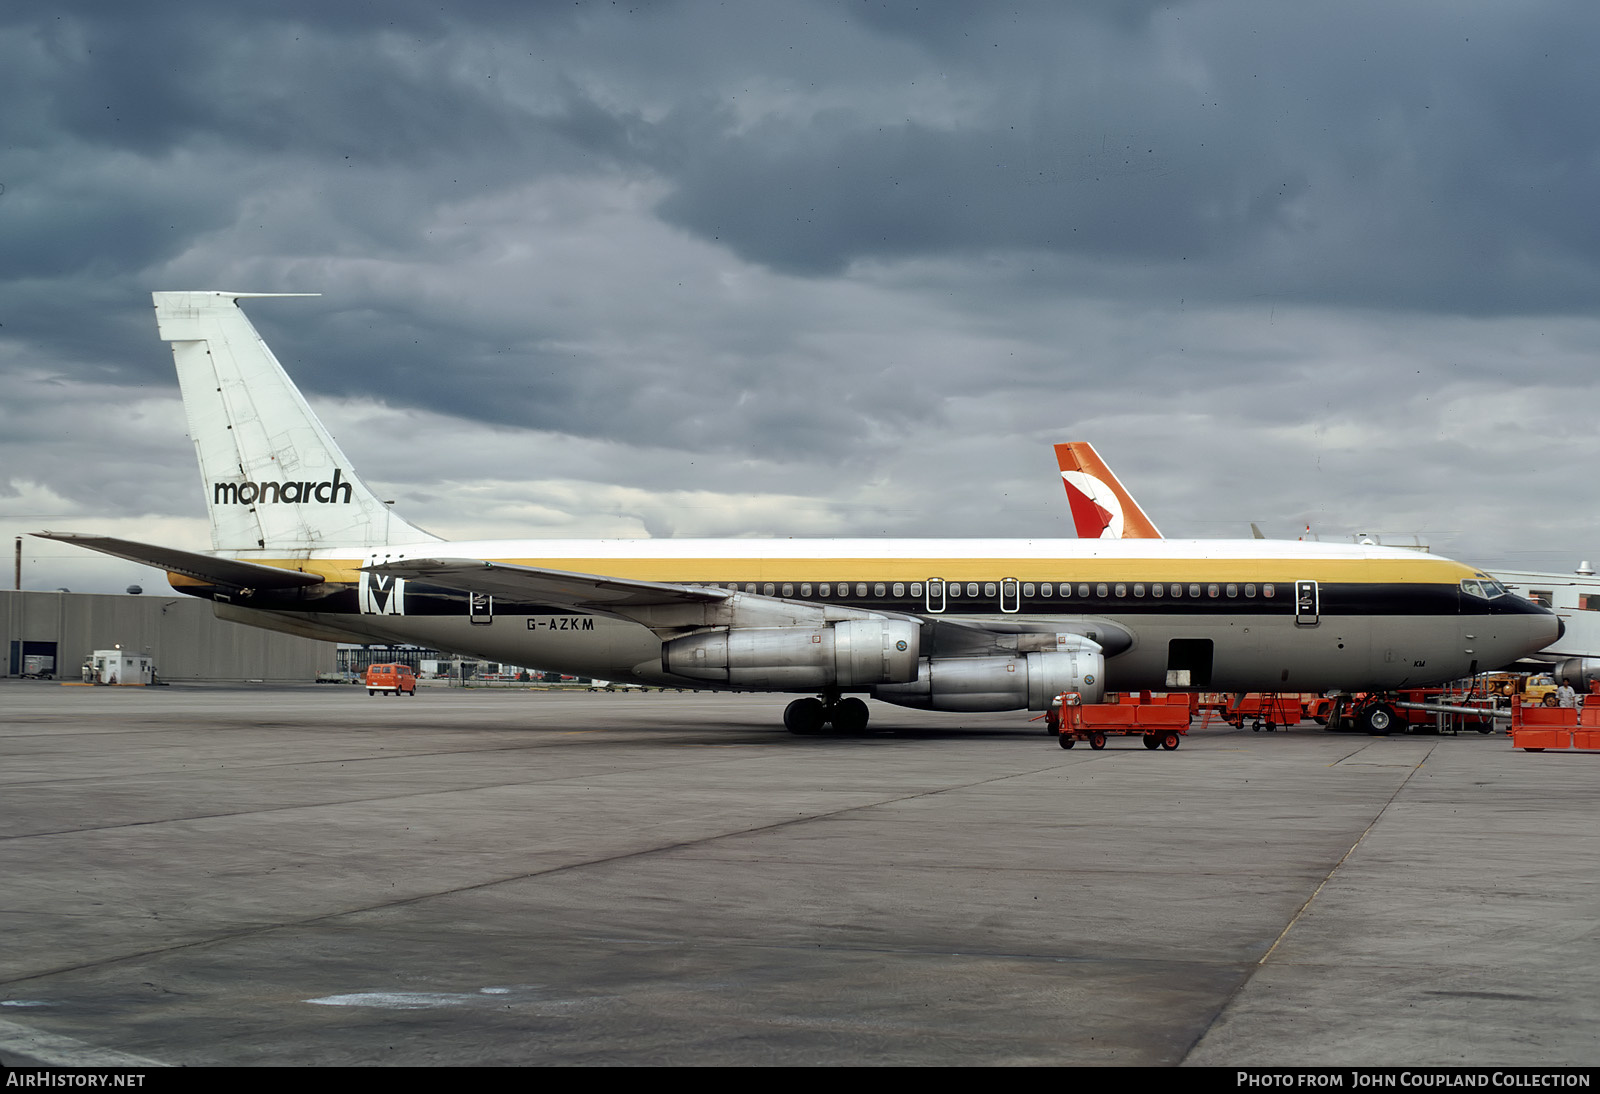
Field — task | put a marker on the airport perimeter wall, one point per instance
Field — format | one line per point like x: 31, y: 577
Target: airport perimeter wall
x: 187, y: 642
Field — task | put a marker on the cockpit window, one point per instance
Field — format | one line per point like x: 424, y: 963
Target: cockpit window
x: 1484, y: 588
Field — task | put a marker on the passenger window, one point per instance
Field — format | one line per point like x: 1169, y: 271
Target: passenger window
x: 1157, y: 589
x: 1027, y: 588
x: 899, y: 589
x: 825, y: 589
x: 988, y: 589
x: 788, y: 589
x: 1266, y: 590
x: 1083, y: 590
x: 861, y: 589
x: 1177, y: 590
x: 1138, y: 588
x: 1047, y: 589
x: 1122, y: 590
x: 805, y: 588
x: 1233, y: 590
x: 750, y: 588
x: 1212, y: 590
x: 916, y: 588
x: 1249, y: 590
x: 955, y: 588
x: 1194, y: 591
x: 879, y: 591
x: 972, y: 588
x: 1100, y: 589
x: 766, y: 589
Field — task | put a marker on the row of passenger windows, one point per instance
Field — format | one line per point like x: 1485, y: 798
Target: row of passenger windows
x: 860, y: 590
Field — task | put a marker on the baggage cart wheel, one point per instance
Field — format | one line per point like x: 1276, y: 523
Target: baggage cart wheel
x: 1169, y: 742
x: 1097, y: 740
x: 1151, y: 741
x: 1066, y: 740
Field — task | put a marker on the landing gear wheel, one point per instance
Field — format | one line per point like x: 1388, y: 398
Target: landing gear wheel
x: 1097, y: 741
x: 1377, y: 720
x: 851, y: 715
x: 1152, y: 742
x: 804, y: 716
x: 1066, y: 740
x: 1170, y: 741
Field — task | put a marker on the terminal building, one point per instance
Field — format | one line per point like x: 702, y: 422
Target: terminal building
x: 185, y: 641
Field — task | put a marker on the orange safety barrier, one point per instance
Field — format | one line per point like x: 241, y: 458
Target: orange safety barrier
x: 1536, y: 729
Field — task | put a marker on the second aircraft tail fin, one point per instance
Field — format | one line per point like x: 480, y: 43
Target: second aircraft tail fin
x: 1101, y: 507
x: 274, y: 477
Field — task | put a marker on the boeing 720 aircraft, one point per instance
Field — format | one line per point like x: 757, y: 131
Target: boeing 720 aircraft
x: 302, y: 545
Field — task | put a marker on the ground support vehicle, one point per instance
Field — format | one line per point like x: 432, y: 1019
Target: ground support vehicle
x: 1263, y: 709
x: 1558, y: 729
x: 1160, y: 723
x: 1410, y: 710
x: 391, y: 680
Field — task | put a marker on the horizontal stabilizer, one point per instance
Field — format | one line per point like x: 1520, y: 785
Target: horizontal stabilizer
x: 216, y: 571
x: 558, y: 588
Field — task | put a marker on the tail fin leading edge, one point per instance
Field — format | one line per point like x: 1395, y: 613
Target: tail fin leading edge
x: 274, y: 477
x: 1101, y: 507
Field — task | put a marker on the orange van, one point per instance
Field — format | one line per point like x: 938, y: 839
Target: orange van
x: 393, y: 679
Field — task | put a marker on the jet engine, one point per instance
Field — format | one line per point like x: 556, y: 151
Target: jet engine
x: 1029, y: 681
x: 849, y: 653
x: 1580, y: 670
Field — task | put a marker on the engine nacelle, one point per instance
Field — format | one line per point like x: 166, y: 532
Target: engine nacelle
x: 1001, y: 683
x: 1580, y: 670
x: 849, y: 653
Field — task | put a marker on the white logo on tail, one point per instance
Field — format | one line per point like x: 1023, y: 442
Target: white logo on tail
x: 1099, y: 495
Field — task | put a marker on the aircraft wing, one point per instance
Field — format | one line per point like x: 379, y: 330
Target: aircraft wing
x: 557, y: 588
x: 216, y: 571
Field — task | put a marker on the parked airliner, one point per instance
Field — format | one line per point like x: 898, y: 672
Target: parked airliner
x: 302, y: 545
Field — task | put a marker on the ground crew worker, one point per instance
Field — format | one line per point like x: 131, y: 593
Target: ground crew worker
x: 1565, y: 695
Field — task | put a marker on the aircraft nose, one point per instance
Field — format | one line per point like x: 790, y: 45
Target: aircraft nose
x: 1521, y: 627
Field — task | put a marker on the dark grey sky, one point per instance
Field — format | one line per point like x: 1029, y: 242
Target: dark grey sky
x: 821, y: 268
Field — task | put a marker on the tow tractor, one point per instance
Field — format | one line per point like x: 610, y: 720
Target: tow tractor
x: 1160, y: 722
x: 1411, y: 710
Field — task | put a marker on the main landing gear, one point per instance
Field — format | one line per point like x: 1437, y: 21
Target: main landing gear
x: 809, y: 716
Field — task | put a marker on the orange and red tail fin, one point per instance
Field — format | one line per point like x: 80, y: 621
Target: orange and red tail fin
x: 1101, y: 507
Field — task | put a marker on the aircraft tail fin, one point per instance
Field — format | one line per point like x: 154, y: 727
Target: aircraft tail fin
x: 274, y: 477
x: 1101, y: 507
